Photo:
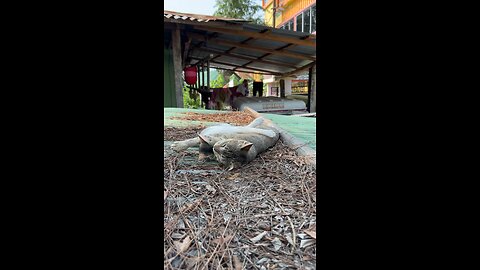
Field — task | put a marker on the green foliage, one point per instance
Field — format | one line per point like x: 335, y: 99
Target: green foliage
x: 191, y: 99
x: 239, y: 9
x: 218, y: 82
x: 236, y: 79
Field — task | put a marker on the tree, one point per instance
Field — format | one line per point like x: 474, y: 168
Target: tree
x: 218, y: 82
x: 239, y: 9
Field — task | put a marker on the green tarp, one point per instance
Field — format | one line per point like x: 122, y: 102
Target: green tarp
x: 303, y: 128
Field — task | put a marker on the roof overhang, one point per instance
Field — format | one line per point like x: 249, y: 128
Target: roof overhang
x: 236, y: 45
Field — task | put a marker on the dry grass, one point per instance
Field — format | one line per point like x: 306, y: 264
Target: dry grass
x: 233, y: 118
x: 261, y: 216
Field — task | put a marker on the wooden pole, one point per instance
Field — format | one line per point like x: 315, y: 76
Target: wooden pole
x: 197, y: 83
x: 203, y: 74
x: 309, y: 89
x: 208, y: 75
x: 177, y: 66
x: 313, y: 95
x: 282, y: 88
x: 274, y: 11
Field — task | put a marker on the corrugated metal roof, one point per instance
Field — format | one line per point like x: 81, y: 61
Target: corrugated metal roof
x: 197, y: 17
x: 236, y: 37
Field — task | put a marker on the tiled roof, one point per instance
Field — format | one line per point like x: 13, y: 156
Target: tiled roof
x: 197, y: 17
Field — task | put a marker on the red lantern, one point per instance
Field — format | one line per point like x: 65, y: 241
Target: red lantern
x: 190, y: 75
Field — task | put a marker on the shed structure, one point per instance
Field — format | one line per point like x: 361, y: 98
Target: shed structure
x: 234, y: 45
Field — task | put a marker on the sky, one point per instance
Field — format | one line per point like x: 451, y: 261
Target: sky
x: 204, y: 7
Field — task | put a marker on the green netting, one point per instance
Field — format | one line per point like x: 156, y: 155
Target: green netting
x: 303, y: 128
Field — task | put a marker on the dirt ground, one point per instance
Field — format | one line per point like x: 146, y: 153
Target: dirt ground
x: 260, y: 216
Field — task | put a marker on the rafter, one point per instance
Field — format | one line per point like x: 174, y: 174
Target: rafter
x: 300, y: 69
x: 237, y: 66
x: 252, y: 47
x: 251, y: 34
x: 268, y: 62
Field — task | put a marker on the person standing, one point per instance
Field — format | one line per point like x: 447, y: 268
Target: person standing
x: 257, y: 85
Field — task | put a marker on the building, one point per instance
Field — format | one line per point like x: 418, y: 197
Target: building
x: 294, y: 15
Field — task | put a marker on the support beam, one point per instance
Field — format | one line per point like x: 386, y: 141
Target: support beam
x: 265, y: 50
x: 177, y: 66
x: 251, y: 68
x: 268, y: 36
x: 233, y: 48
x: 251, y: 47
x: 300, y: 69
x: 268, y: 62
x: 262, y: 73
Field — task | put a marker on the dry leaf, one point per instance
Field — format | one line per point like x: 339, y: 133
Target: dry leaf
x: 258, y: 237
x: 177, y: 235
x: 288, y: 236
x: 236, y: 262
x: 182, y: 246
x: 307, y: 243
x: 223, y: 240
x: 307, y: 258
x: 312, y: 233
x: 277, y: 244
x: 262, y: 260
x: 210, y: 188
x: 312, y: 230
x: 233, y: 176
x: 191, y: 262
x: 180, y: 225
x: 301, y: 235
x: 227, y: 217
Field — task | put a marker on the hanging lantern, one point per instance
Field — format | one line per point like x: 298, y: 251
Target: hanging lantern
x: 190, y: 75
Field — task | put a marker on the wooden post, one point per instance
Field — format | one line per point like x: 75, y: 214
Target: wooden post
x: 313, y: 95
x: 185, y: 51
x: 282, y: 88
x: 208, y: 75
x: 203, y: 74
x: 197, y: 82
x: 177, y: 66
x: 309, y: 89
x: 274, y: 12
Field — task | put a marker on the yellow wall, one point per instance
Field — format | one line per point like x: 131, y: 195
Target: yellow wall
x: 268, y: 14
x: 268, y: 9
x: 291, y: 8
